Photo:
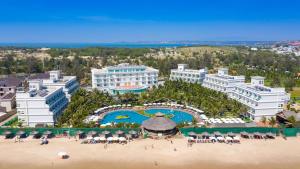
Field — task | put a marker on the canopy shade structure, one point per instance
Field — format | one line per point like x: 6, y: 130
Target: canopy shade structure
x: 105, y: 132
x: 47, y: 132
x: 192, y: 134
x: 119, y: 132
x: 20, y: 133
x: 7, y: 133
x: 159, y: 123
x: 92, y: 133
x: 231, y: 134
x: 34, y: 132
x: 132, y: 132
x: 79, y: 132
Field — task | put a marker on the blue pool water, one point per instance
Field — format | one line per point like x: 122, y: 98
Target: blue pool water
x: 179, y: 116
x: 134, y: 117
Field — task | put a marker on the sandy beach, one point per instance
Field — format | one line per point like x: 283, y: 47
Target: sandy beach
x: 147, y: 153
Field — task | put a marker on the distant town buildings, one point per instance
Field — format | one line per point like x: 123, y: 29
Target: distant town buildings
x: 8, y: 87
x: 39, y: 105
x: 289, y: 48
x: 124, y: 78
x: 260, y: 100
x: 188, y: 75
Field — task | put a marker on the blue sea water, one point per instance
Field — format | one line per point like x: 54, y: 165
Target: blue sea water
x: 85, y: 45
x: 138, y: 44
x: 134, y: 117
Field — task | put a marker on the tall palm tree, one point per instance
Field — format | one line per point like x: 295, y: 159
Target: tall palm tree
x: 263, y: 120
x: 272, y: 121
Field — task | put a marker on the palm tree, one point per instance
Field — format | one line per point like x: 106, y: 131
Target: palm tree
x: 292, y: 121
x: 263, y: 120
x: 272, y: 121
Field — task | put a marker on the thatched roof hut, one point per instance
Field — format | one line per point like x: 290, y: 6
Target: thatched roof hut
x: 159, y: 124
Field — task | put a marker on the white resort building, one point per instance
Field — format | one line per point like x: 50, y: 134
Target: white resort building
x: 124, y: 78
x: 260, y: 100
x: 40, y: 105
x: 188, y: 75
x: 222, y: 81
x: 68, y: 83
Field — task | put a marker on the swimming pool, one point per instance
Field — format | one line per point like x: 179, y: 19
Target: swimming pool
x: 135, y: 117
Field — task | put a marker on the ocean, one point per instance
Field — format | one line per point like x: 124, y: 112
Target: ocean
x: 136, y: 45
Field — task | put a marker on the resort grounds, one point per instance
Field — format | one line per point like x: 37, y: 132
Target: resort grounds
x: 174, y: 153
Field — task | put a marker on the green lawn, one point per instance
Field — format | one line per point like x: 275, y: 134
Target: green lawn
x: 295, y: 92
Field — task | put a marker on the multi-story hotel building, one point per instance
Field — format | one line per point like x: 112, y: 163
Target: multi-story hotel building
x: 40, y: 105
x: 68, y: 83
x: 260, y: 100
x: 188, y: 75
x: 222, y: 81
x: 124, y: 78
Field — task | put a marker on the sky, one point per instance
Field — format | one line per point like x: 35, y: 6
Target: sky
x: 101, y: 21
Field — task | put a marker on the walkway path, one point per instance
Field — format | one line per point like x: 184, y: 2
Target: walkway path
x: 8, y: 119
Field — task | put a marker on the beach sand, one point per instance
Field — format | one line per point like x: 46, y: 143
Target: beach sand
x: 148, y: 153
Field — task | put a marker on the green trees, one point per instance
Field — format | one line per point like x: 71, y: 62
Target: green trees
x: 292, y: 121
x: 214, y: 103
x: 272, y: 121
x: 263, y: 119
x: 83, y: 103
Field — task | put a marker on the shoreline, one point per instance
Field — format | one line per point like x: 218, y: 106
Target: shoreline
x: 148, y: 153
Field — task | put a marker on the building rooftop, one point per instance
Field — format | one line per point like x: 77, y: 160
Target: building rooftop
x: 10, y: 81
x: 122, y: 66
x: 259, y: 88
x: 36, y: 93
x: 226, y: 77
x: 8, y: 96
x: 40, y: 76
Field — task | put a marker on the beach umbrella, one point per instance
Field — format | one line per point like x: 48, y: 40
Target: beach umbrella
x: 62, y: 155
x: 119, y: 132
x: 205, y: 134
x: 192, y: 134
x: 231, y: 134
x: 7, y: 133
x: 34, y: 133
x: 48, y: 132
x: 80, y: 132
x: 20, y: 133
x: 132, y: 132
x: 216, y: 133
x: 269, y: 134
x: 92, y: 133
x: 244, y: 133
x: 105, y: 132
